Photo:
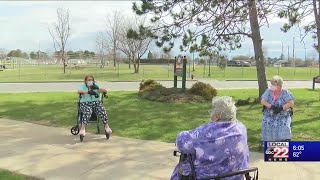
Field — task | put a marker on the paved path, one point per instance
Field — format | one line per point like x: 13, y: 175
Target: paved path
x: 134, y: 86
x: 53, y: 153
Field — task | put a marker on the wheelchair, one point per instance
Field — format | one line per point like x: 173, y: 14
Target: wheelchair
x: 94, y: 119
x: 244, y: 172
x: 260, y: 147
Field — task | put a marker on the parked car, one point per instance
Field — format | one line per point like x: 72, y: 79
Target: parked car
x: 236, y: 63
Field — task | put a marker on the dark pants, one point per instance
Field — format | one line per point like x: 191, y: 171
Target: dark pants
x: 87, y: 108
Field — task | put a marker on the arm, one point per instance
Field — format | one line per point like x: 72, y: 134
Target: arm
x: 266, y: 103
x: 82, y: 92
x: 184, y: 142
x: 288, y: 105
x: 289, y: 99
x: 102, y: 90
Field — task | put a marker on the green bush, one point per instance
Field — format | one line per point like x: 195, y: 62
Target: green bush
x: 148, y: 86
x: 204, y: 90
x: 144, y: 84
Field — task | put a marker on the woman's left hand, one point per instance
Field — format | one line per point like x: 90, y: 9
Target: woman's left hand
x: 102, y: 90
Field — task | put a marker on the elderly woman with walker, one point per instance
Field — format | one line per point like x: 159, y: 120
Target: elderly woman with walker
x: 277, y: 111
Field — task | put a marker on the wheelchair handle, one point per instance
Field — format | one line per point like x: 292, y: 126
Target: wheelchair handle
x: 176, y: 153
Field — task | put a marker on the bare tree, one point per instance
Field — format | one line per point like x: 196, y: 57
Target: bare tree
x: 60, y: 33
x: 102, y: 48
x: 133, y: 46
x: 113, y: 28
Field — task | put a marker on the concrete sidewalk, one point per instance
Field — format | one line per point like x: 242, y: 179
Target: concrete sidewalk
x: 134, y: 86
x: 53, y: 153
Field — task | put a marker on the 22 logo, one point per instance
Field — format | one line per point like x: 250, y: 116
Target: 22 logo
x: 281, y: 152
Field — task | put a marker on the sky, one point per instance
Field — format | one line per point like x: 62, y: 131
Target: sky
x: 24, y: 25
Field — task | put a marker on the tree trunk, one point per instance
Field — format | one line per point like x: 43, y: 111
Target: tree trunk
x: 130, y: 63
x: 257, y: 45
x: 135, y: 66
x: 316, y: 11
x: 64, y: 62
x: 114, y: 54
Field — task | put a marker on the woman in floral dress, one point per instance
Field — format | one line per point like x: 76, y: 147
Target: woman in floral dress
x: 276, y: 120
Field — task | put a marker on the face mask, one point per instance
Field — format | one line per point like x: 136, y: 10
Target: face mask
x: 273, y: 88
x: 89, y: 83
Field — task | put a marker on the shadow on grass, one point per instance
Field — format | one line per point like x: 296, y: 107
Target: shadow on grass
x: 132, y: 117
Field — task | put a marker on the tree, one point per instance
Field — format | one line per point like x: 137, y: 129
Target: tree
x: 113, y: 30
x: 71, y: 55
x: 15, y: 53
x: 295, y: 11
x: 41, y: 55
x: 60, y: 33
x: 102, y: 48
x: 209, y: 26
x: 133, y: 45
x: 33, y: 55
x: 222, y: 61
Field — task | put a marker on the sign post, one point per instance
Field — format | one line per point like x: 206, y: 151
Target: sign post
x: 180, y: 67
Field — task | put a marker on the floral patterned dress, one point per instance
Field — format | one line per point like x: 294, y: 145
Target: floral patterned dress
x: 276, y: 127
x: 217, y: 147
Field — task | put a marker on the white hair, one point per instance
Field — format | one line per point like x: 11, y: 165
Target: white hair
x: 225, y: 107
x: 277, y: 80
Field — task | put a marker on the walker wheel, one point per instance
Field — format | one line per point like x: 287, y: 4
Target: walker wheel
x: 75, y: 130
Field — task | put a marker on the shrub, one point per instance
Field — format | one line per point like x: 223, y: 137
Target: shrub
x: 148, y: 86
x: 204, y: 90
x: 144, y: 84
x: 243, y: 102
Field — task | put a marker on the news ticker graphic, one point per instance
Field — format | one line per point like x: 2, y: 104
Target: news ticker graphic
x: 292, y: 151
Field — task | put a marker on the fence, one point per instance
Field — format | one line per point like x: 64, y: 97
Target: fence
x: 29, y: 71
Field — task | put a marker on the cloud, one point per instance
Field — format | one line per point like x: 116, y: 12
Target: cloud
x: 27, y: 22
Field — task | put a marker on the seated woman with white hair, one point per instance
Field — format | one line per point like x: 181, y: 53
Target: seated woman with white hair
x: 217, y: 147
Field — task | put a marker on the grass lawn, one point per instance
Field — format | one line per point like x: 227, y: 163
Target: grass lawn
x: 132, y: 117
x: 157, y: 72
x: 8, y: 175
x: 250, y: 73
x: 109, y: 73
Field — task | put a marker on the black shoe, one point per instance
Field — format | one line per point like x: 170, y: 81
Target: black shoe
x: 81, y: 137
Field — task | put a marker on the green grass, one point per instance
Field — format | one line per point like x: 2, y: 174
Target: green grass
x: 109, y: 73
x: 8, y: 175
x: 250, y: 73
x: 143, y: 119
x: 157, y: 72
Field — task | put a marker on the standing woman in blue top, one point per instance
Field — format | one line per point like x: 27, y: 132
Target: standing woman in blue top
x: 90, y: 102
x: 278, y: 103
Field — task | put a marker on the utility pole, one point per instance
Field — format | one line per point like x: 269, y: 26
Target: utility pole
x: 294, y: 60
